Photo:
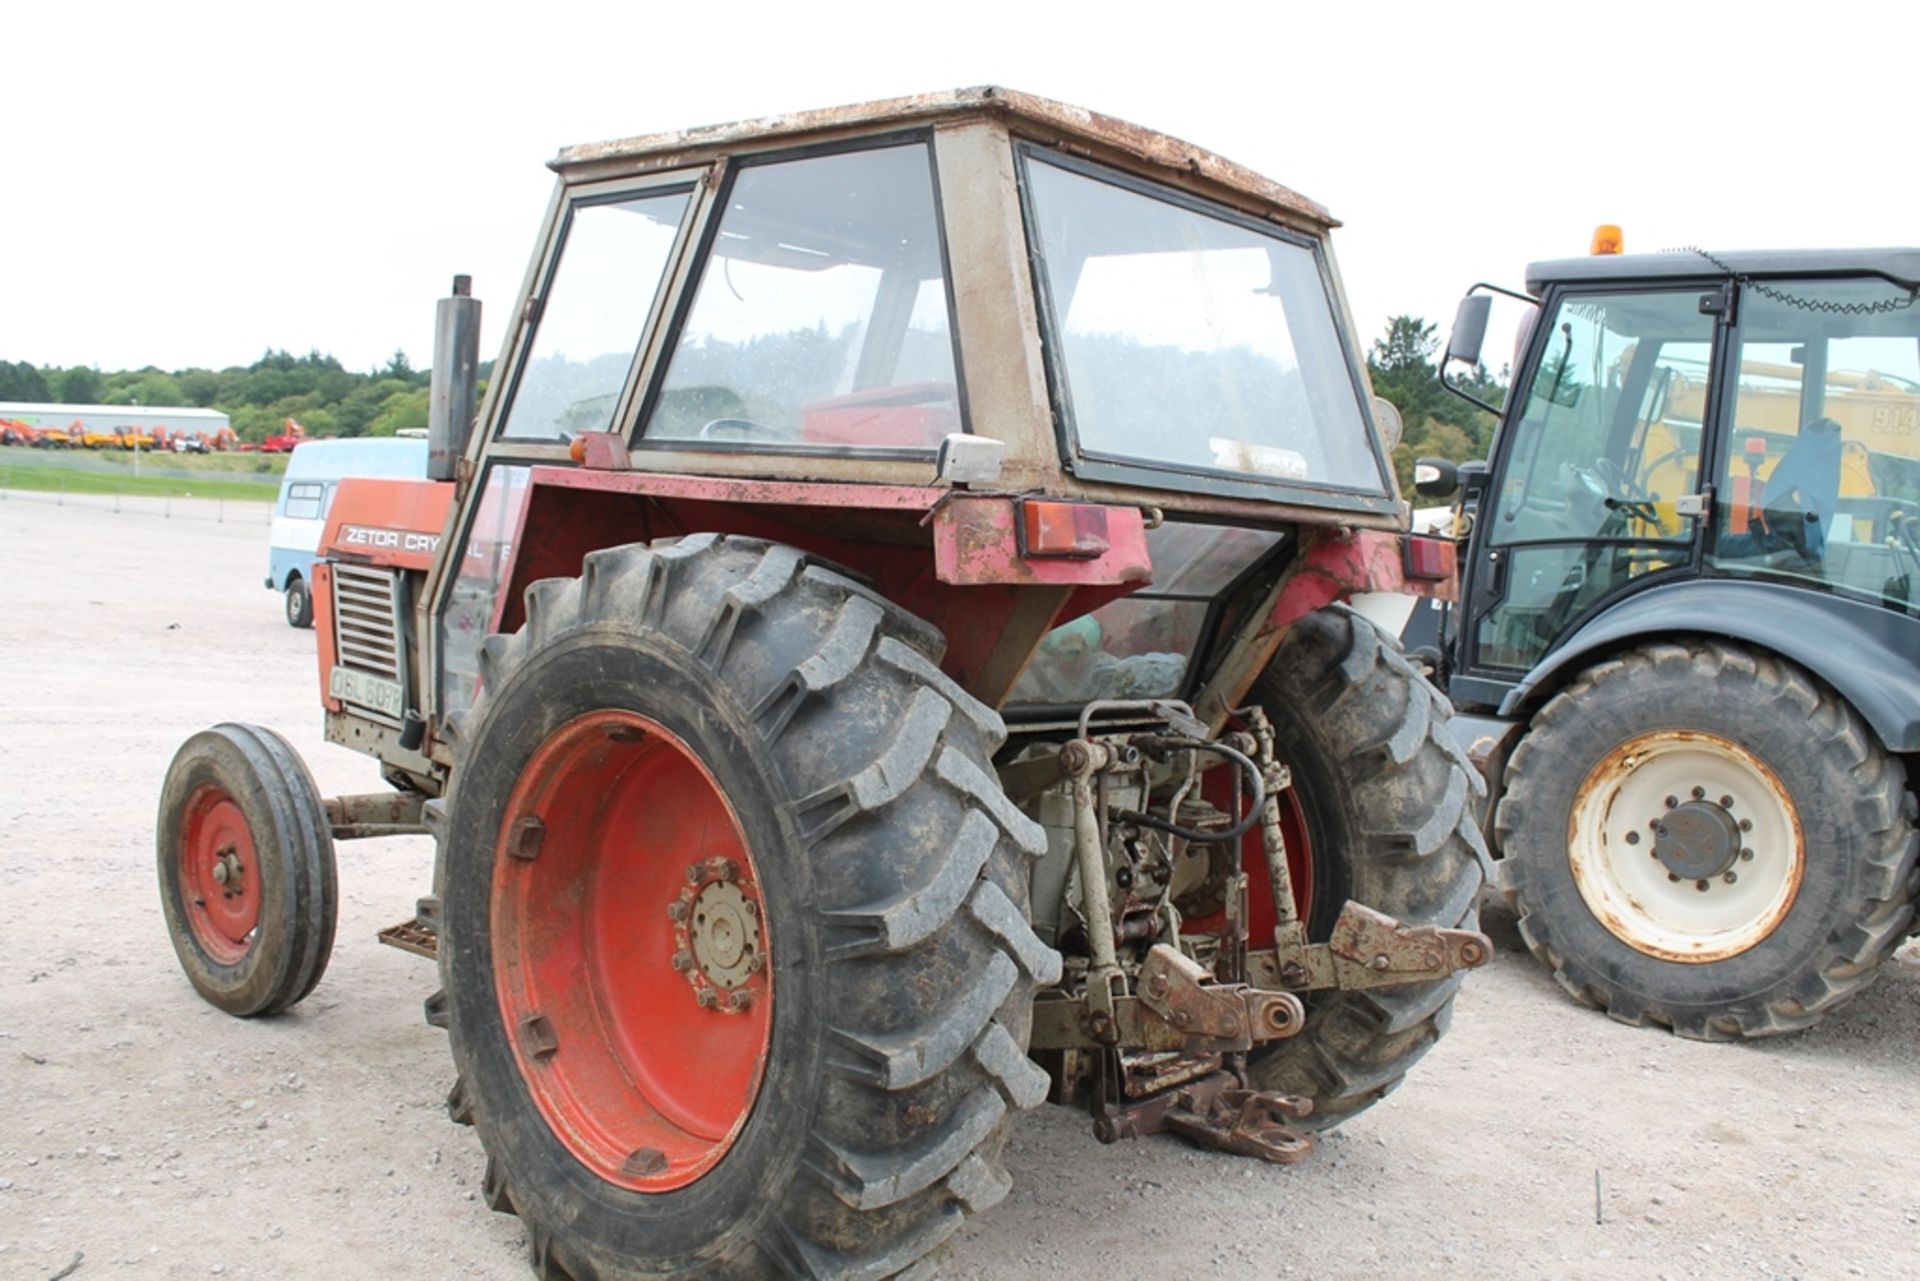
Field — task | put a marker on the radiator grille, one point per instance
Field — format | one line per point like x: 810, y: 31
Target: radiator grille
x: 367, y: 623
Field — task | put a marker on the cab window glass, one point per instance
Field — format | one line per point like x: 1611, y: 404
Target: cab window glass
x: 1820, y: 474
x: 1610, y: 437
x: 820, y: 317
x: 1141, y: 645
x: 593, y: 315
x: 1192, y: 341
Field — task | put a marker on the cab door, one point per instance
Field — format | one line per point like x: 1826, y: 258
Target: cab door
x: 1596, y: 489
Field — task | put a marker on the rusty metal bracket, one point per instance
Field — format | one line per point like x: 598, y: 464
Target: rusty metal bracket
x: 1244, y: 1122
x: 1368, y: 949
x: 1179, y: 1008
x: 1216, y: 1111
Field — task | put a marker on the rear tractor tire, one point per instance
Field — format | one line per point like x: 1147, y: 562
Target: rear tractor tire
x: 1390, y: 807
x: 247, y: 878
x: 1704, y: 838
x: 734, y: 942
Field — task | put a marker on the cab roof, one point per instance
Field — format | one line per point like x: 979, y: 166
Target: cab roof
x: 1023, y: 112
x: 1899, y: 265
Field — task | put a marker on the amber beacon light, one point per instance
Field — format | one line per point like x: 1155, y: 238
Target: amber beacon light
x: 1608, y: 239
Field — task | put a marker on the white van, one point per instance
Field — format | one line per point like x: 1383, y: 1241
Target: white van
x: 314, y: 471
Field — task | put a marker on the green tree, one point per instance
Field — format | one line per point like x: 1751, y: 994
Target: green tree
x: 77, y: 386
x: 22, y: 381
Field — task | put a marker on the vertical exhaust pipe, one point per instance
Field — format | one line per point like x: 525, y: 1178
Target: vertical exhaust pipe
x: 456, y: 368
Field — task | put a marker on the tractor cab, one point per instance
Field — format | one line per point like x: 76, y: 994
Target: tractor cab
x: 1752, y: 421
x: 1036, y: 346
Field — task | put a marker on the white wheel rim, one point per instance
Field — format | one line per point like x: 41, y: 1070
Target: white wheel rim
x: 1636, y: 894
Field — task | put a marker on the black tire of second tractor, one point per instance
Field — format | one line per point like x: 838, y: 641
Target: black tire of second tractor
x: 896, y: 878
x: 1855, y: 904
x: 1391, y: 806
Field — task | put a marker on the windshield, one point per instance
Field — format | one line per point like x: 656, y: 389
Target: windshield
x: 1188, y: 340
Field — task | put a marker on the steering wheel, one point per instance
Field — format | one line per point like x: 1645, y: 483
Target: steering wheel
x: 1619, y: 491
x: 741, y: 428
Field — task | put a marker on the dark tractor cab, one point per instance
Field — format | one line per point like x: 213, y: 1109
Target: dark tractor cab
x: 1690, y: 605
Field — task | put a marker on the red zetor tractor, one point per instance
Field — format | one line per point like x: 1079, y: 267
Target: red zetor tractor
x: 878, y: 664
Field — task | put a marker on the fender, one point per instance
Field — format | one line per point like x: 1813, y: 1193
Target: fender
x: 1869, y: 653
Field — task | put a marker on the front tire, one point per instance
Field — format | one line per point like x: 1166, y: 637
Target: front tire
x: 299, y: 603
x: 1703, y: 838
x: 730, y: 695
x: 1390, y: 807
x: 247, y: 877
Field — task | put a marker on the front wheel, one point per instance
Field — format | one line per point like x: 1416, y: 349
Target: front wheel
x: 299, y: 603
x: 735, y: 943
x: 246, y: 864
x: 1706, y: 839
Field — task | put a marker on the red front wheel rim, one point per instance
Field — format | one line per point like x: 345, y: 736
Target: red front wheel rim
x: 631, y: 952
x: 219, y: 876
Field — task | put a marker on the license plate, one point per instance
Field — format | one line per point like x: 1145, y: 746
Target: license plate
x: 374, y: 692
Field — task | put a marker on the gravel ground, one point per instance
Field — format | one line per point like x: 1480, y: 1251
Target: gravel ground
x: 148, y: 1135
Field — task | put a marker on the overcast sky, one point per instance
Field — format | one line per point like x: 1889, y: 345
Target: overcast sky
x: 190, y: 184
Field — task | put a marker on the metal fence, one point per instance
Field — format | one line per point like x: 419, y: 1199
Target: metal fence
x: 221, y: 510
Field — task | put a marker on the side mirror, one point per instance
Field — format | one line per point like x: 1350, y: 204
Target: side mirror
x: 1435, y: 477
x: 1469, y: 329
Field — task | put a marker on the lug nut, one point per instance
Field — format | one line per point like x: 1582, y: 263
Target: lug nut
x: 751, y: 908
x: 1701, y: 886
x: 1726, y: 802
x: 1731, y: 877
x: 1699, y: 793
x: 695, y: 872
x: 676, y: 910
x: 705, y: 996
x: 740, y: 999
x: 1633, y: 838
x: 683, y: 961
x: 1746, y: 825
x: 1673, y: 876
x: 1672, y: 801
x: 1746, y: 856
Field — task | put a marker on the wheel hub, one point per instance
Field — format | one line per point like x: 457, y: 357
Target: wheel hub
x: 1685, y: 846
x: 1697, y: 840
x: 717, y: 932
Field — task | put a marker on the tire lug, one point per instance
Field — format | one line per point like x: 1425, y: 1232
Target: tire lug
x: 523, y: 842
x: 537, y: 1036
x: 644, y: 1161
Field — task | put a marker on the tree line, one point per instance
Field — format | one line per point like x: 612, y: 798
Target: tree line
x: 315, y: 390
x: 330, y: 400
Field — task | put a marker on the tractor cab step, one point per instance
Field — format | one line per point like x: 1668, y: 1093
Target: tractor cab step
x: 421, y: 935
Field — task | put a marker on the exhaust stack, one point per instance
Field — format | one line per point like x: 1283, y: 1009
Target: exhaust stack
x: 456, y: 365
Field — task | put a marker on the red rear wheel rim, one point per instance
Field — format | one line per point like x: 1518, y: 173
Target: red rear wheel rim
x: 1218, y: 790
x: 631, y: 952
x: 219, y: 876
